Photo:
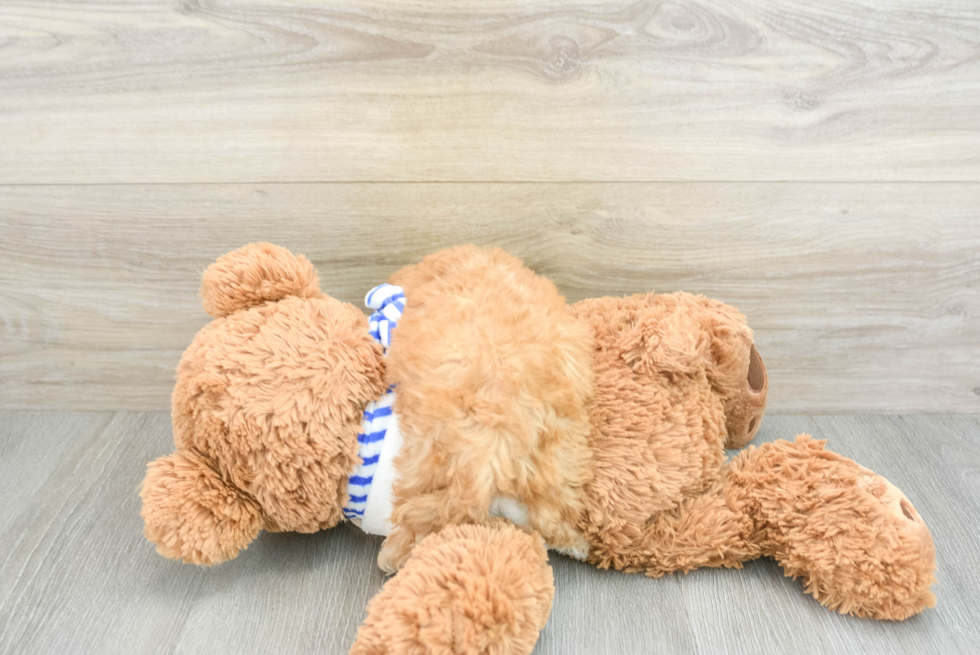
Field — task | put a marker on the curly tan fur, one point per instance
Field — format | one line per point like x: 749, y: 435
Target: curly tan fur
x: 483, y: 589
x: 494, y: 377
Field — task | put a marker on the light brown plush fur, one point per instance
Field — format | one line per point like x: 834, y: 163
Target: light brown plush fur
x: 266, y: 409
x: 607, y: 419
x: 856, y: 541
x: 467, y: 589
x: 668, y: 371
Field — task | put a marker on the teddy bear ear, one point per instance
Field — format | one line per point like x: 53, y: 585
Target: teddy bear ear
x: 667, y: 340
x: 254, y: 274
x: 192, y: 515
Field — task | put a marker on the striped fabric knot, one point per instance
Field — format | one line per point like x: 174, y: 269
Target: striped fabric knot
x: 388, y: 303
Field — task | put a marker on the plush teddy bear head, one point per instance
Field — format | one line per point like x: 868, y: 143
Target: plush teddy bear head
x: 682, y: 344
x: 266, y: 410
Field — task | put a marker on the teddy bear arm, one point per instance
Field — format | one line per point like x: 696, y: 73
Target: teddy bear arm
x: 856, y: 541
x: 701, y: 531
x: 465, y: 589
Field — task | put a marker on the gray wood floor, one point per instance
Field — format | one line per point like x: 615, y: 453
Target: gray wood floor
x: 76, y: 575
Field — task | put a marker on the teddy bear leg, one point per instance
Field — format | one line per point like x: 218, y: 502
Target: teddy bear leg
x: 856, y: 541
x: 465, y: 589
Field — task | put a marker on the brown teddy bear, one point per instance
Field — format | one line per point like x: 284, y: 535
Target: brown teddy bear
x: 476, y: 419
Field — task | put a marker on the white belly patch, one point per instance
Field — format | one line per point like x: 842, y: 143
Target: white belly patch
x: 369, y: 486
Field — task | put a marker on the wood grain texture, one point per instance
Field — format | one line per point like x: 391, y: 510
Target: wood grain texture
x: 76, y: 575
x: 311, y: 90
x: 863, y: 297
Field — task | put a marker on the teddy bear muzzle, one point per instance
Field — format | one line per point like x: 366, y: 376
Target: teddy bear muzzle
x: 745, y: 409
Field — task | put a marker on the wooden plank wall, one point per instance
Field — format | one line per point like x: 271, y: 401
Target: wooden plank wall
x: 815, y: 164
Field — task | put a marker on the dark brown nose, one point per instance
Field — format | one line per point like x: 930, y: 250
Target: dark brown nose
x: 747, y: 408
x: 757, y: 371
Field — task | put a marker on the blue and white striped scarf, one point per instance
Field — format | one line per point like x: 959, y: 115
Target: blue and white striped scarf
x: 388, y: 303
